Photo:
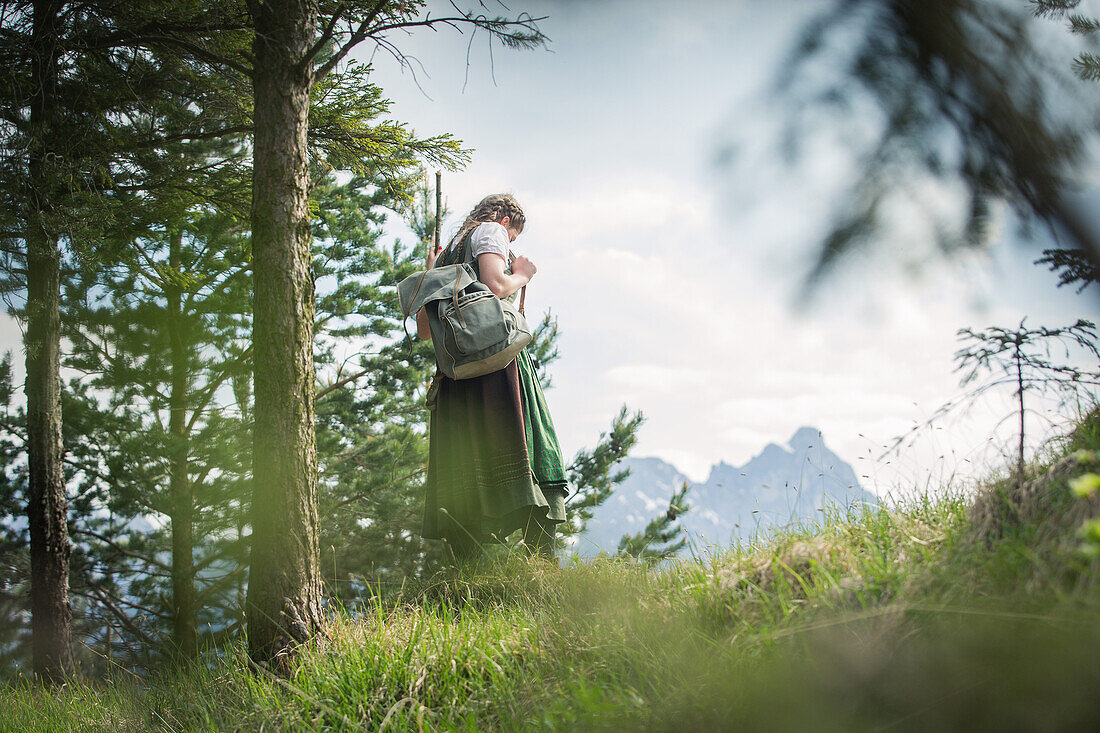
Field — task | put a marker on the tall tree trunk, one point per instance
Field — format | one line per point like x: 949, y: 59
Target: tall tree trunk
x: 184, y: 626
x: 284, y: 589
x: 47, y: 507
x: 51, y: 614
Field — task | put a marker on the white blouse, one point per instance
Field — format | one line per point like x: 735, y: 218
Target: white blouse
x: 491, y: 237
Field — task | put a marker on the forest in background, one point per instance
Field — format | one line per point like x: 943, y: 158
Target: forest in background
x: 139, y: 198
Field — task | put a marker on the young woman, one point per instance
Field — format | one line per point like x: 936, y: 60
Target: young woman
x: 494, y: 465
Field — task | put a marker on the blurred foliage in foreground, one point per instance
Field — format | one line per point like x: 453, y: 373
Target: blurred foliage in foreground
x: 941, y: 102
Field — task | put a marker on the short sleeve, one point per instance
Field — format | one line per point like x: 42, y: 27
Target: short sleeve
x: 490, y: 237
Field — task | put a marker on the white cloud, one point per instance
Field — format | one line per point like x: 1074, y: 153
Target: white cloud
x: 617, y: 207
x: 656, y: 377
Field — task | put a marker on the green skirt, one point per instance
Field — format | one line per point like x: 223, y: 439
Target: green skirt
x: 493, y: 457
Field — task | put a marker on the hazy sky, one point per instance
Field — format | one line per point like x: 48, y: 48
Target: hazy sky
x: 673, y: 278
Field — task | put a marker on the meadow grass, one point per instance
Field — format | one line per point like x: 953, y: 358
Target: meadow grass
x: 943, y: 613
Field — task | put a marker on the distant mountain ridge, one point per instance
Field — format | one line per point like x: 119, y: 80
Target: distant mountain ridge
x: 778, y: 486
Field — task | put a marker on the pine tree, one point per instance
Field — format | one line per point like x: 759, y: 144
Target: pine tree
x: 50, y: 548
x: 290, y: 35
x: 371, y: 437
x: 163, y: 332
x: 289, y: 38
x: 54, y: 130
x: 661, y: 538
x: 1021, y: 357
x: 71, y: 162
x: 369, y: 421
x: 595, y: 473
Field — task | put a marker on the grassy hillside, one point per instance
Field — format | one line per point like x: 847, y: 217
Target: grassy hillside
x: 944, y: 614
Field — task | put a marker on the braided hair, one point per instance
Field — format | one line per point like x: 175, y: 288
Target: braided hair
x: 493, y: 207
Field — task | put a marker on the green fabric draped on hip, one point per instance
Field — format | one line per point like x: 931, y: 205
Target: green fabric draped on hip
x: 493, y: 456
x: 542, y: 440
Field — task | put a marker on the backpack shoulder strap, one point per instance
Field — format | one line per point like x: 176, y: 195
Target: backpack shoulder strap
x: 522, y: 291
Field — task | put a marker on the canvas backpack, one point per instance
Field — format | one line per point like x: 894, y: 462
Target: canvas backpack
x: 473, y: 331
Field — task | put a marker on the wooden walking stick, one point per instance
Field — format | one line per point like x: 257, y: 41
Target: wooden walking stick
x: 438, y: 206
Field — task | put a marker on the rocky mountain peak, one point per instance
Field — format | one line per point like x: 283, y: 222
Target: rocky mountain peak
x: 805, y: 437
x: 777, y: 487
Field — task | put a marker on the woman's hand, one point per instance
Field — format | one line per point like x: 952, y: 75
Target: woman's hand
x: 524, y: 267
x: 491, y: 270
x: 433, y: 255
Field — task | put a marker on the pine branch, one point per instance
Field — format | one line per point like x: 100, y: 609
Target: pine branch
x: 1083, y: 25
x: 118, y: 599
x: 1052, y: 8
x: 661, y: 538
x: 594, y: 474
x: 210, y: 560
x: 341, y: 382
x: 212, y: 587
x: 521, y: 33
x: 206, y: 394
x: 363, y: 494
x: 1087, y: 66
x: 157, y: 142
x: 197, y: 50
x: 125, y: 619
x: 328, y: 33
x: 356, y: 38
x: 123, y: 550
x: 1072, y: 266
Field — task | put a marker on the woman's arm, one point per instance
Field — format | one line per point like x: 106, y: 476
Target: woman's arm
x: 491, y: 268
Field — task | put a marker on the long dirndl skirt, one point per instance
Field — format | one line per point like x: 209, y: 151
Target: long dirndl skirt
x: 493, y: 457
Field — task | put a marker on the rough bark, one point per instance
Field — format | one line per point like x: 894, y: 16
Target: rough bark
x: 284, y: 590
x: 47, y: 507
x: 184, y: 627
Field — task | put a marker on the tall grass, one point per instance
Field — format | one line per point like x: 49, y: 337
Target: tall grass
x: 941, y: 614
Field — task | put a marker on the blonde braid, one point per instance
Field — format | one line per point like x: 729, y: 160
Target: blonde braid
x: 493, y: 207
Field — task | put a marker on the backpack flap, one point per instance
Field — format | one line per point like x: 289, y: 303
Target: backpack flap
x: 439, y: 283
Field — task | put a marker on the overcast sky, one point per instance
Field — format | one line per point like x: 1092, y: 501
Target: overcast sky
x: 673, y: 278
